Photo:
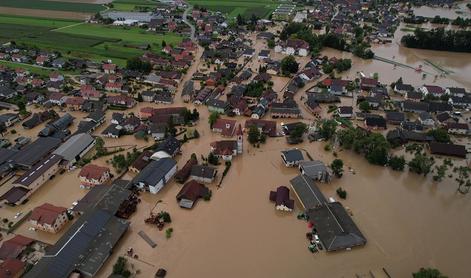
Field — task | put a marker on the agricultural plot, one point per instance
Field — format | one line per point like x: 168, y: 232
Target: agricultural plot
x: 245, y: 8
x: 90, y: 41
x: 52, y: 5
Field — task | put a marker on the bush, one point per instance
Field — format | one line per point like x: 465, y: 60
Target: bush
x: 341, y: 193
x: 397, y: 163
x: 168, y: 233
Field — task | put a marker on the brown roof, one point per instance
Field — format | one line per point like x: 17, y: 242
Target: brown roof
x: 226, y: 126
x: 192, y: 190
x: 11, y: 268
x: 142, y: 160
x: 92, y: 171
x: 46, y: 213
x: 13, y: 247
x: 447, y: 149
x: 183, y: 174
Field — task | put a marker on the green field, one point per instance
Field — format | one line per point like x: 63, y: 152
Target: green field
x: 261, y: 8
x: 52, y: 5
x: 88, y: 41
x: 33, y: 69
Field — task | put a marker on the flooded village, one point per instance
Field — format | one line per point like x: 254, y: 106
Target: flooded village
x: 250, y: 148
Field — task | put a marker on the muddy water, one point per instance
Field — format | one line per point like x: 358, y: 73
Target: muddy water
x: 460, y: 10
x: 459, y: 64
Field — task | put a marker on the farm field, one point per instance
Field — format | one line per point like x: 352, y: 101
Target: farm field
x: 31, y: 68
x: 52, y: 5
x: 88, y: 41
x: 245, y: 8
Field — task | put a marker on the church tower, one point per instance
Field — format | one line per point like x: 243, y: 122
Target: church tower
x: 240, y: 139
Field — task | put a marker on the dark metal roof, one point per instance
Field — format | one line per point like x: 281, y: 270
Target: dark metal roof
x: 335, y: 227
x: 307, y: 192
x: 34, y: 152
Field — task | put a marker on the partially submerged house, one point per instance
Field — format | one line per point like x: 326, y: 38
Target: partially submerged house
x: 155, y: 175
x: 281, y: 199
x: 316, y: 170
x: 203, y: 174
x: 190, y: 193
x: 292, y: 158
x: 91, y: 175
x: 49, y: 218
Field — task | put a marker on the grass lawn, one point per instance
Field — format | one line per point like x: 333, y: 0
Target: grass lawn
x: 88, y: 41
x: 36, y: 21
x: 245, y: 8
x: 32, y: 69
x: 52, y: 5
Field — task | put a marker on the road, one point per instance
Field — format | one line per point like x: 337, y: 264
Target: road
x: 187, y: 22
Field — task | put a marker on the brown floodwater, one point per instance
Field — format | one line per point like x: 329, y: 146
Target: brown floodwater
x: 459, y: 9
x: 409, y: 220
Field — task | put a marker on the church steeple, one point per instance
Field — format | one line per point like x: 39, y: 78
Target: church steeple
x: 240, y: 139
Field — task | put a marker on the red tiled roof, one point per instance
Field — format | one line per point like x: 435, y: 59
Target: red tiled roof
x: 91, y: 171
x: 11, y: 268
x: 13, y: 247
x: 226, y: 126
x: 46, y: 213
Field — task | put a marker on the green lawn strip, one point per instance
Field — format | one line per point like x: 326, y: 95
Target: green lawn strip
x: 36, y: 21
x: 32, y: 69
x: 52, y: 5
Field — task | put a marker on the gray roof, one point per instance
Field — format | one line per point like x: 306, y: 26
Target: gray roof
x: 202, y: 171
x: 155, y: 171
x: 34, y: 152
x: 335, y: 227
x: 307, y: 191
x: 88, y: 242
x: 293, y: 155
x: 38, y: 170
x: 74, y: 146
x: 313, y: 168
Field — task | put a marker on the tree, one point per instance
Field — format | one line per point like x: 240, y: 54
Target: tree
x: 341, y: 193
x: 164, y: 44
x: 440, y: 135
x: 397, y: 163
x: 137, y: 64
x: 428, y: 273
x: 364, y: 106
x: 289, y: 65
x: 240, y: 20
x: 213, y: 118
x: 121, y: 268
x: 171, y: 127
x: 212, y: 159
x: 464, y: 184
x: 253, y: 134
x: 139, y: 97
x: 440, y: 172
x: 420, y: 164
x: 271, y: 43
x: 327, y: 128
x: 337, y: 167
x: 298, y: 131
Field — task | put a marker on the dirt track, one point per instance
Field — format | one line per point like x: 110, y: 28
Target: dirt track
x: 44, y: 13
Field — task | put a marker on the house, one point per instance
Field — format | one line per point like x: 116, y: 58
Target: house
x: 217, y: 105
x: 58, y: 63
x: 248, y: 53
x: 292, y: 158
x: 184, y: 173
x: 395, y: 118
x: 190, y: 193
x: 460, y: 102
x: 414, y: 96
x: 131, y: 123
x: 281, y: 199
x: 413, y: 106
x: 49, y: 218
x: 307, y: 192
x: 58, y: 127
x: 456, y: 92
x: 57, y: 98
x: 225, y: 127
x: 375, y: 122
x: 433, y: 90
x: 457, y: 128
x: 368, y: 83
x: 14, y: 247
x: 403, y: 89
x: 447, y: 149
x: 338, y: 87
x: 294, y: 47
x: 113, y: 131
x: 203, y: 174
x: 6, y: 92
x: 89, y: 92
x: 74, y: 103
x: 315, y: 170
x: 109, y: 68
x: 264, y: 54
x: 412, y: 126
x: 76, y: 147
x: 345, y: 112
x: 155, y: 175
x: 286, y: 109
x: 264, y: 126
x: 148, y: 96
x: 188, y: 91
x: 170, y: 146
x: 313, y: 107
x: 121, y: 101
x: 12, y: 268
x: 158, y: 130
x: 8, y: 119
x: 34, y: 152
x: 91, y: 175
x: 437, y: 106
x: 141, y: 161
x: 335, y: 228
x: 426, y: 119
x: 56, y: 77
x: 310, y: 74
